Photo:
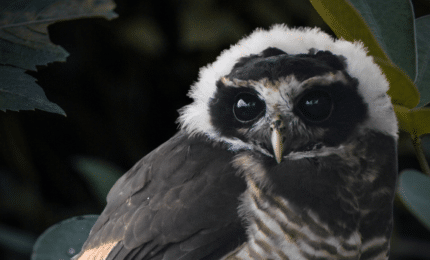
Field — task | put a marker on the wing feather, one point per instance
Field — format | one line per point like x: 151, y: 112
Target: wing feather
x: 178, y: 202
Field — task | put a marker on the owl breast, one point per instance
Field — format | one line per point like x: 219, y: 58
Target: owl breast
x: 336, y: 206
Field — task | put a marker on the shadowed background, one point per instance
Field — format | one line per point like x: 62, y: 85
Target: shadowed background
x: 121, y: 87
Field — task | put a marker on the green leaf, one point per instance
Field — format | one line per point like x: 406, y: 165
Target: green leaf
x: 414, y: 121
x: 392, y: 24
x: 422, y: 27
x: 404, y: 119
x: 420, y: 120
x: 100, y: 174
x: 19, y: 91
x: 24, y: 43
x: 414, y: 191
x: 347, y: 22
x: 63, y: 240
x: 402, y: 90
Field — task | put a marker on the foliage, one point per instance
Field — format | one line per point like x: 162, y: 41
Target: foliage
x: 415, y: 193
x: 63, y: 240
x: 399, y: 44
x: 24, y: 43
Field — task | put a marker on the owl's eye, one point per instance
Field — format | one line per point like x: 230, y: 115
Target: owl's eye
x: 316, y: 106
x: 247, y: 107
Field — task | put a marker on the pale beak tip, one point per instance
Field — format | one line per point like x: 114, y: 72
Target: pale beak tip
x: 277, y: 145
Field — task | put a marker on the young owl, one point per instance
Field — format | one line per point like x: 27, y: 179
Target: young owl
x: 288, y: 151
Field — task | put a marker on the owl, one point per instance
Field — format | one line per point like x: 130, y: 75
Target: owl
x: 288, y: 151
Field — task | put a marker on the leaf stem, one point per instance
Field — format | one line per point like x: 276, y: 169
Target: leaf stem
x: 416, y: 140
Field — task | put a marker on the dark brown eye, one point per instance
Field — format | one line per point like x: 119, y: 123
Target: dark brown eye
x: 248, y: 107
x: 315, y: 106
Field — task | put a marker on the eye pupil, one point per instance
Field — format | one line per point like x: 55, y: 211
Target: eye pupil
x: 316, y: 106
x: 247, y: 107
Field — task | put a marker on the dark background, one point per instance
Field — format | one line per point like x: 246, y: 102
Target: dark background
x: 121, y: 88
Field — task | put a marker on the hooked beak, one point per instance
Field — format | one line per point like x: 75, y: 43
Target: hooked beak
x: 277, y: 141
x: 277, y: 144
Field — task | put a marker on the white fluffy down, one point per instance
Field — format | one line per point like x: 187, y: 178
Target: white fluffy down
x: 373, y: 85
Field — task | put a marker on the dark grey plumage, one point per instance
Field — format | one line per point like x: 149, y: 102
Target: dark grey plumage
x: 178, y: 201
x: 287, y: 152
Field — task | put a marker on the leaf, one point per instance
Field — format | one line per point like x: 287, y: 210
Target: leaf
x: 420, y: 118
x: 19, y: 91
x: 404, y: 118
x: 414, y: 121
x: 24, y: 39
x: 24, y: 43
x: 414, y: 191
x: 65, y: 239
x: 392, y: 24
x: 402, y: 90
x: 100, y: 174
x: 422, y: 27
x: 347, y: 22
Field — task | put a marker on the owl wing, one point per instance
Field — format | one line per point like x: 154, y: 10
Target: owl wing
x: 178, y: 202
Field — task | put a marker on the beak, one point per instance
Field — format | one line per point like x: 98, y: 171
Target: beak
x: 277, y: 144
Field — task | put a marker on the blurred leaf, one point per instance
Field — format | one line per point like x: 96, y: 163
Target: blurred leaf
x: 420, y: 118
x: 19, y: 91
x: 100, y: 174
x: 403, y: 118
x: 414, y: 192
x: 402, y: 90
x: 422, y: 27
x: 24, y: 39
x: 24, y: 43
x: 392, y: 24
x: 414, y: 121
x: 63, y: 240
x: 347, y: 21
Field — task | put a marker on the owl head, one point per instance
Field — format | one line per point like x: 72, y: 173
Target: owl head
x: 287, y: 93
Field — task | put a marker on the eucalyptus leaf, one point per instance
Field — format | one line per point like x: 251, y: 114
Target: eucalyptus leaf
x: 414, y: 192
x: 63, y: 240
x: 422, y: 27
